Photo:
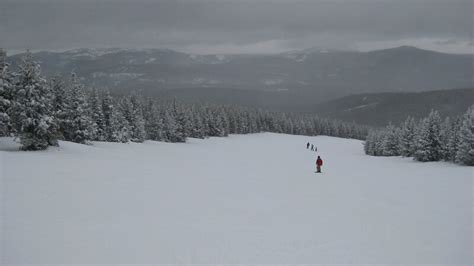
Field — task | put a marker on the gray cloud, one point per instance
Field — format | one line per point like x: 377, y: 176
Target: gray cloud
x: 206, y: 26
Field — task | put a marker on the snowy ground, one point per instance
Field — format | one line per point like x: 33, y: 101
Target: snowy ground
x: 242, y: 199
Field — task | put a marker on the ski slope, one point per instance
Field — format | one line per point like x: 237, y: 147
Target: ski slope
x: 242, y: 199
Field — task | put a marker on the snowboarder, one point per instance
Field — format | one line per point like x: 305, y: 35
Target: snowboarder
x: 312, y: 147
x: 319, y: 163
x: 307, y: 145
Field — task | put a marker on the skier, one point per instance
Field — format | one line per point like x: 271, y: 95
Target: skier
x: 312, y: 147
x: 307, y: 145
x: 319, y: 163
x: 315, y: 148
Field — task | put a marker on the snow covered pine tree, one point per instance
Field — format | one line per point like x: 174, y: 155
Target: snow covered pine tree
x: 6, y: 87
x: 32, y: 110
x: 428, y: 140
x: 79, y: 126
x: 407, y: 134
x: 465, y: 148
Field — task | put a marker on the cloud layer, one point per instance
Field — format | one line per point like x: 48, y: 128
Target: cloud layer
x: 236, y: 26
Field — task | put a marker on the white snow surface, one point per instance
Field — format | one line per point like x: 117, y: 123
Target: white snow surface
x: 242, y: 199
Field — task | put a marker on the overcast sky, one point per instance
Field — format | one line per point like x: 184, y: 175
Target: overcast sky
x: 237, y: 26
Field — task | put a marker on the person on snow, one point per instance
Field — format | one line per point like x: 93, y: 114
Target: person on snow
x: 319, y: 163
x: 312, y: 147
x: 315, y: 148
x: 307, y: 145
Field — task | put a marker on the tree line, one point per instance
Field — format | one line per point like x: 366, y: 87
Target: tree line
x: 429, y: 139
x: 39, y: 112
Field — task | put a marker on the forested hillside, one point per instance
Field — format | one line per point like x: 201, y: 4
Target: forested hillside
x: 378, y: 109
x: 41, y: 111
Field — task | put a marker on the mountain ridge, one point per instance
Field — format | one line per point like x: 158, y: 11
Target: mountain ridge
x: 322, y: 75
x: 314, y: 49
x: 378, y: 109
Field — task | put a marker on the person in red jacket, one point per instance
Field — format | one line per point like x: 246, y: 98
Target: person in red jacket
x: 319, y: 163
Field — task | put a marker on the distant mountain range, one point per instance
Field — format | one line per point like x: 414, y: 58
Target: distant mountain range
x: 376, y: 87
x: 379, y: 109
x: 375, y: 109
x: 309, y: 75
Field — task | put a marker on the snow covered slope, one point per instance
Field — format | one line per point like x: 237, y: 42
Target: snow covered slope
x: 242, y: 199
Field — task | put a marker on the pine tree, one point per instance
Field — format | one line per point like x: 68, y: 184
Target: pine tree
x: 252, y: 126
x: 138, y: 133
x: 465, y: 147
x: 97, y: 116
x: 453, y: 140
x: 182, y: 124
x: 197, y: 130
x: 157, y: 128
x: 379, y: 143
x: 407, y: 135
x: 375, y: 143
x: 428, y: 142
x: 170, y: 128
x: 225, y: 124
x: 60, y: 104
x: 216, y: 127
x: 148, y: 114
x: 131, y: 109
x: 391, y: 141
x: 79, y: 125
x: 6, y: 100
x: 32, y: 110
x: 153, y: 121
x: 123, y: 132
x: 111, y: 118
x: 369, y: 143
x: 445, y: 135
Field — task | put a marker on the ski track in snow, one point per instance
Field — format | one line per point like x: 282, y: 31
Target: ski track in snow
x: 242, y: 199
